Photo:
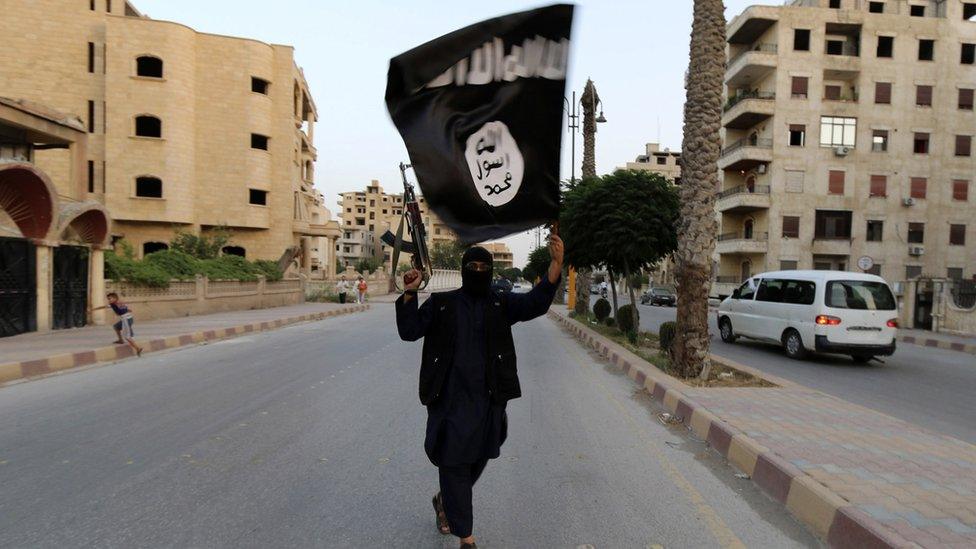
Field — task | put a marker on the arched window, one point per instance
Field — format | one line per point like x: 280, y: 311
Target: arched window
x: 149, y: 126
x: 150, y: 66
x: 234, y: 250
x: 747, y: 229
x: 150, y: 247
x: 751, y: 184
x: 746, y: 269
x: 149, y: 187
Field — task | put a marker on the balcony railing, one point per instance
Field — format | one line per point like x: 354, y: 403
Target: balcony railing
x: 766, y: 48
x: 743, y: 189
x: 754, y: 94
x: 757, y: 236
x: 757, y: 143
x: 844, y: 98
x: 728, y: 279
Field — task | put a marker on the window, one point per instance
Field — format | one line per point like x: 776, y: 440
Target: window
x: 882, y: 93
x: 963, y: 145
x: 91, y: 5
x: 876, y: 7
x: 879, y: 186
x: 957, y: 235
x: 149, y: 126
x: 968, y: 11
x: 966, y: 99
x: 916, y: 233
x: 836, y: 131
x: 835, y: 182
x: 108, y: 6
x: 832, y: 93
x: 832, y: 224
x: 921, y: 143
x: 913, y: 271
x: 875, y: 231
x: 259, y: 141
x: 798, y: 86
x: 149, y: 187
x: 787, y: 265
x: 662, y: 161
x: 153, y: 247
x: 798, y: 135
x: 257, y: 197
x: 801, y: 39
x: 879, y: 140
x: 874, y: 270
x: 91, y: 57
x: 91, y: 176
x: 259, y: 85
x: 960, y: 190
x: 954, y: 273
x: 770, y: 290
x: 918, y: 187
x: 149, y: 66
x: 835, y: 47
x: 886, y: 46
x: 835, y: 4
x: 917, y: 11
x: 91, y: 117
x: 923, y: 96
x: 859, y: 294
x: 968, y: 54
x: 791, y: 226
x: 926, y: 50
x: 798, y: 292
x: 234, y: 250
x: 748, y: 289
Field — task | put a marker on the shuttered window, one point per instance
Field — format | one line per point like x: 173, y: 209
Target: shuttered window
x: 957, y: 235
x: 960, y: 189
x: 879, y: 185
x: 919, y: 185
x: 923, y: 96
x: 835, y: 182
x: 882, y: 93
x: 963, y: 145
x: 832, y: 93
x: 791, y: 226
x: 966, y: 99
x: 799, y: 86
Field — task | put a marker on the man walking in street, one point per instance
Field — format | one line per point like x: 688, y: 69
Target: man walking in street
x: 342, y: 288
x: 361, y: 288
x: 468, y: 373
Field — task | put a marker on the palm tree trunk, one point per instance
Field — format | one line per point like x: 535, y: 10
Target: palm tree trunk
x: 633, y: 300
x: 613, y: 290
x: 699, y: 180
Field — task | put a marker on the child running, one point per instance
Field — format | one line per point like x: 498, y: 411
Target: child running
x: 123, y: 328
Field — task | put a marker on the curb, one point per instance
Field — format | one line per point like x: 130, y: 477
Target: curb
x: 824, y: 512
x: 939, y: 344
x: 12, y: 371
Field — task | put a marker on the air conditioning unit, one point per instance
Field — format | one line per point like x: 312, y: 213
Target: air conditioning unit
x: 761, y: 169
x: 916, y: 250
x: 908, y: 201
x: 841, y: 151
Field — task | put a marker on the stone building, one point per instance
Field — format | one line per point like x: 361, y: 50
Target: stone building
x: 501, y: 256
x: 356, y: 244
x: 186, y: 130
x: 666, y: 162
x: 848, y: 134
x: 375, y: 211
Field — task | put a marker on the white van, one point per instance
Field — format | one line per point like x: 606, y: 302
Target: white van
x: 824, y: 311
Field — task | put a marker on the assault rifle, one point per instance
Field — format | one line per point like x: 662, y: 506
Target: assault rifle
x: 417, y: 246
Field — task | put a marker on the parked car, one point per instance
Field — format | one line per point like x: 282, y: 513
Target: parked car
x: 501, y: 285
x: 594, y: 289
x: 822, y: 311
x: 659, y: 296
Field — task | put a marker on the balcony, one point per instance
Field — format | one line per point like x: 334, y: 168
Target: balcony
x: 745, y: 110
x: 746, y: 154
x: 740, y: 243
x: 751, y: 66
x: 823, y: 245
x: 751, y: 24
x: 743, y: 199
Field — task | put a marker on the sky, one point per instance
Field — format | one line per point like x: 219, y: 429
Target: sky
x: 636, y: 52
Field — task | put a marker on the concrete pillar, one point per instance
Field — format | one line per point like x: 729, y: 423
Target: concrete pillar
x: 96, y: 288
x: 78, y: 177
x: 45, y: 285
x: 908, y: 312
x: 306, y: 264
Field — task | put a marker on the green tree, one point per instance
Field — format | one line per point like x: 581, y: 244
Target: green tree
x: 368, y: 265
x: 701, y: 147
x: 538, y: 264
x: 202, y: 246
x: 511, y: 274
x: 447, y: 255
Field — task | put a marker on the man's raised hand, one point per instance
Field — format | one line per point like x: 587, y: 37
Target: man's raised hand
x: 412, y: 280
x: 556, y: 249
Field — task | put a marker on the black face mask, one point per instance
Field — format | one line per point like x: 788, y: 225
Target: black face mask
x: 476, y: 282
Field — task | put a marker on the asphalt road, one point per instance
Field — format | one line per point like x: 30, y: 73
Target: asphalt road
x: 312, y: 436
x: 930, y: 387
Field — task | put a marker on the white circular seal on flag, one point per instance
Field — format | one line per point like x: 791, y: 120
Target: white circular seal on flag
x: 495, y: 162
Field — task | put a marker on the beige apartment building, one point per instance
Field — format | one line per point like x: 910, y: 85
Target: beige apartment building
x: 654, y: 160
x: 375, y: 211
x: 501, y: 257
x: 848, y: 140
x: 187, y: 130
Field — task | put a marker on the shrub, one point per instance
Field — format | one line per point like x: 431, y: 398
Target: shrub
x: 601, y: 309
x: 229, y: 267
x: 666, y: 336
x: 135, y: 272
x: 175, y: 263
x: 201, y: 246
x: 269, y: 269
x: 610, y: 321
x: 625, y: 319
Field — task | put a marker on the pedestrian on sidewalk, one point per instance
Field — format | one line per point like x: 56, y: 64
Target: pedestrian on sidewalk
x: 468, y: 373
x: 361, y: 288
x: 342, y: 288
x: 123, y: 328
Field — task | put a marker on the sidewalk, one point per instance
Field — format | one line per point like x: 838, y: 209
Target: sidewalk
x: 856, y: 477
x: 925, y: 338
x: 36, y: 353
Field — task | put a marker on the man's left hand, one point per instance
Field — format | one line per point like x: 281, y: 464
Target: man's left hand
x: 556, y: 249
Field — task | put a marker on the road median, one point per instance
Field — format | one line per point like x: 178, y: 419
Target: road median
x: 855, y: 477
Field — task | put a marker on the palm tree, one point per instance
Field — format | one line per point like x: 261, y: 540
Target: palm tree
x: 699, y: 179
x: 588, y: 100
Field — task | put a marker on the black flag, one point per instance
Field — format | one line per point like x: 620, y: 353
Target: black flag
x: 480, y: 111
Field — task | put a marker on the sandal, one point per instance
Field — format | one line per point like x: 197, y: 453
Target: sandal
x: 442, y: 526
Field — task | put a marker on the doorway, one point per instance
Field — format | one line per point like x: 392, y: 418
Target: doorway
x: 70, y: 293
x: 18, y: 287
